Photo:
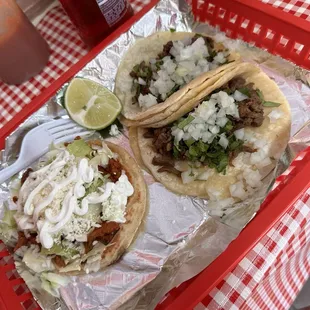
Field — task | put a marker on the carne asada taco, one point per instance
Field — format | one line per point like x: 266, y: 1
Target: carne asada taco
x: 158, y: 70
x: 226, y: 144
x: 78, y: 210
x: 192, y: 97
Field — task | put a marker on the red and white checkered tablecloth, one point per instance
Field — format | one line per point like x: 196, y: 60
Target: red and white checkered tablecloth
x: 273, y: 272
x: 299, y: 8
x: 66, y: 49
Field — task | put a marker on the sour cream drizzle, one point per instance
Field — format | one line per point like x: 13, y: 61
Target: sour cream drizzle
x: 79, y: 174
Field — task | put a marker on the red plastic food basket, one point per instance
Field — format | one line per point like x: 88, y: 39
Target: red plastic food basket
x: 255, y: 22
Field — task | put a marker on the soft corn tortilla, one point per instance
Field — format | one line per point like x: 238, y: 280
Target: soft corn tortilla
x: 193, y: 97
x: 277, y: 135
x: 144, y: 50
x: 135, y: 211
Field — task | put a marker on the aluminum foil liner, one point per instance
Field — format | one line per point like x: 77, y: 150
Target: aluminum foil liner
x: 169, y: 249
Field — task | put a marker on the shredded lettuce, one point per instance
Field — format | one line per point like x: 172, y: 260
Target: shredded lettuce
x: 8, y: 218
x: 51, y: 282
x: 58, y: 249
x: 37, y: 262
x: 94, y: 186
x: 8, y: 226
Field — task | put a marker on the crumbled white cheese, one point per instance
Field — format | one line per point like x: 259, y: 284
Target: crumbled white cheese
x: 113, y: 209
x: 77, y: 229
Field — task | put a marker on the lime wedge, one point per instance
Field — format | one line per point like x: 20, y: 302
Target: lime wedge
x: 90, y: 104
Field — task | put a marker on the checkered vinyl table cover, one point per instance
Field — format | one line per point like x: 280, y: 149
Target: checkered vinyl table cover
x: 273, y: 272
x: 271, y: 275
x: 67, y: 48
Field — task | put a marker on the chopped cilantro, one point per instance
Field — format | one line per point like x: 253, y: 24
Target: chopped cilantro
x: 234, y: 145
x: 210, y: 154
x: 266, y: 103
x: 222, y: 164
x: 245, y: 91
x: 186, y: 121
x: 271, y: 104
x: 228, y: 61
x: 189, y: 142
x: 211, y: 56
x: 260, y: 95
x: 193, y: 151
x: 158, y: 64
x: 228, y: 127
x: 176, y: 152
x: 173, y: 90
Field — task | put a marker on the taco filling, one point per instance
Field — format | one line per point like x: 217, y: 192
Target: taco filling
x: 65, y: 212
x: 179, y: 63
x: 212, y: 135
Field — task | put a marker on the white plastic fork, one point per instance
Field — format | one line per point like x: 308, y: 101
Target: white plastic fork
x: 37, y: 141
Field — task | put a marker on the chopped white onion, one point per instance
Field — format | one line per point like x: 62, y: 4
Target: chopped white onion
x: 206, y: 136
x: 237, y: 190
x: 221, y: 121
x: 196, y: 134
x: 252, y: 177
x: 239, y: 134
x: 239, y: 96
x: 260, y: 143
x: 274, y: 115
x: 204, y: 176
x: 263, y: 163
x: 213, y: 194
x: 188, y: 62
x: 141, y: 81
x: 187, y: 176
x: 220, y: 58
x: 214, y: 129
x: 147, y: 100
x: 179, y: 135
x: 257, y: 157
x: 223, y: 141
x: 241, y: 160
x: 181, y: 165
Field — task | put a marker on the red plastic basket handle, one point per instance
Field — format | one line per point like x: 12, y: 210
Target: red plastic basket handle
x: 255, y: 22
